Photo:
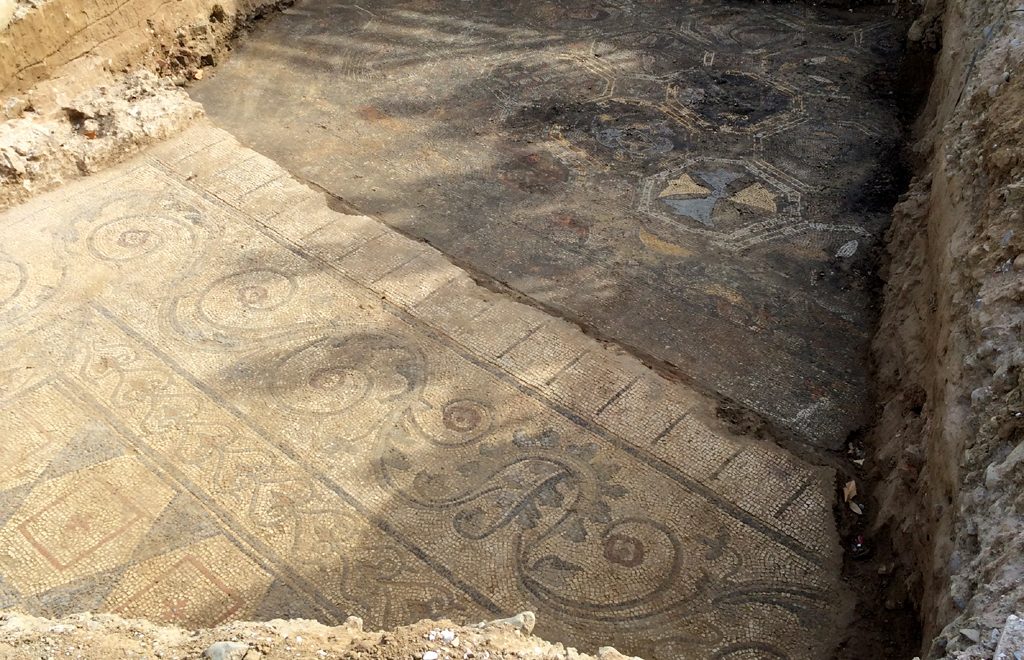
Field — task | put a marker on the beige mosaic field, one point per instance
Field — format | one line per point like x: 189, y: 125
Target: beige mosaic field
x: 222, y: 400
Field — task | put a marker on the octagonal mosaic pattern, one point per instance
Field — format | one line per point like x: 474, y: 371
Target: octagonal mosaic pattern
x: 677, y: 177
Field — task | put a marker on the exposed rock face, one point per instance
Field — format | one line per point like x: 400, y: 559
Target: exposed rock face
x: 108, y: 636
x: 78, y: 40
x: 92, y: 130
x: 86, y: 83
x: 949, y: 350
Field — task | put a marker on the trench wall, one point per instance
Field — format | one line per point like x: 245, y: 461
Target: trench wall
x: 51, y: 38
x: 948, y: 441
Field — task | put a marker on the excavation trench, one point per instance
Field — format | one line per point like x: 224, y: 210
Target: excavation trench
x: 456, y: 309
x: 705, y: 187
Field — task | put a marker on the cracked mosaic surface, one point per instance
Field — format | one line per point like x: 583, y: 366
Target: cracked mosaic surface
x: 220, y: 399
x: 681, y: 177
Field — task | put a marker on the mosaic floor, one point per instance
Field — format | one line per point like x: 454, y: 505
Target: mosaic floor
x: 698, y: 181
x: 220, y: 399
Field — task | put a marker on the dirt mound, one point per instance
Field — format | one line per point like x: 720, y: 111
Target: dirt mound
x: 86, y: 83
x: 76, y: 42
x: 107, y: 636
x: 92, y: 130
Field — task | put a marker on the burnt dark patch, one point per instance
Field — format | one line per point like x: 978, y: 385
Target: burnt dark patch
x: 534, y: 172
x: 729, y: 98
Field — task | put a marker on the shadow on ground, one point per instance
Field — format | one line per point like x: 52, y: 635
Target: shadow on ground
x: 222, y: 400
x: 702, y: 183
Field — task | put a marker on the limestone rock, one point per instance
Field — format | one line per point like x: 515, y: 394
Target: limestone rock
x: 226, y: 651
